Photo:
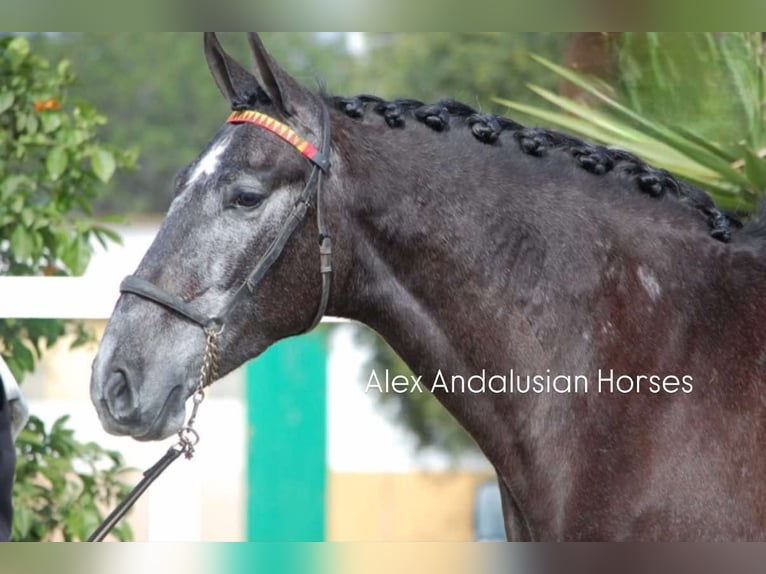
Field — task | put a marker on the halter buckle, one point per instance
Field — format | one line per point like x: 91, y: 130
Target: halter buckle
x: 325, y: 253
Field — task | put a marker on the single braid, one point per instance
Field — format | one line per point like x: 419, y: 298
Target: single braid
x: 485, y: 127
x: 435, y: 116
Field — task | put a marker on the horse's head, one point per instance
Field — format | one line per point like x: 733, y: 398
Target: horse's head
x: 230, y: 206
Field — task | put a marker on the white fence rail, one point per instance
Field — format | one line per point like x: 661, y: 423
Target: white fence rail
x: 56, y: 298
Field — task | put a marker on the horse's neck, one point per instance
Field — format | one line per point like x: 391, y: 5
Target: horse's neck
x: 437, y: 265
x: 447, y: 247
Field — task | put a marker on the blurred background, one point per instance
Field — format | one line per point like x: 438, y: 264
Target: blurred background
x: 95, y: 127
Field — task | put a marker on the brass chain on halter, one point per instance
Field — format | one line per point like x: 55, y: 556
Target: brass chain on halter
x: 188, y: 437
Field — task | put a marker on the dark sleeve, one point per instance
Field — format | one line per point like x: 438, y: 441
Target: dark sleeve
x: 7, y: 467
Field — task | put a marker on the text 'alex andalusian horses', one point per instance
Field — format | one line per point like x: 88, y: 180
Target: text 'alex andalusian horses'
x: 473, y: 245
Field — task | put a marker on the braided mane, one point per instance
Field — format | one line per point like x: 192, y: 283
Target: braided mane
x: 596, y: 159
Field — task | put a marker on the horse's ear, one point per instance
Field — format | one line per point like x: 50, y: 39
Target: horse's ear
x: 234, y: 81
x: 283, y: 90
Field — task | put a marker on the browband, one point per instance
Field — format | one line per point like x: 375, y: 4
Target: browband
x: 283, y: 131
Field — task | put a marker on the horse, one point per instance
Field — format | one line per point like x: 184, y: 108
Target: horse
x: 593, y: 322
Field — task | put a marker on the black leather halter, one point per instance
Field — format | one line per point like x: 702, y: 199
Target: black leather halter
x: 311, y: 192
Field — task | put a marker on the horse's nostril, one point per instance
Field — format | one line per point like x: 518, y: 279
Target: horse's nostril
x: 120, y: 399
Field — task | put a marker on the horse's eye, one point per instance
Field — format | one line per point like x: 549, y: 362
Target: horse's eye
x: 248, y: 199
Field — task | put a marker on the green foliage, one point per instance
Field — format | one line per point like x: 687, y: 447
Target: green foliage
x: 52, y: 165
x: 662, y: 75
x: 62, y: 485
x: 23, y: 341
x: 470, y: 67
x: 690, y: 103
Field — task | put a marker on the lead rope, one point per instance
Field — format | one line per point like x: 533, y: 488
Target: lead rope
x: 188, y: 437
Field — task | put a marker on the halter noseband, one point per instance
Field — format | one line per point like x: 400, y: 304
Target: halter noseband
x: 311, y: 192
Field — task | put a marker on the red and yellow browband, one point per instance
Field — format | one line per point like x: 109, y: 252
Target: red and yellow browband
x: 283, y: 131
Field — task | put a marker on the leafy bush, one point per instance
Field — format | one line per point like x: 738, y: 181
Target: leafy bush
x: 62, y: 485
x: 52, y: 166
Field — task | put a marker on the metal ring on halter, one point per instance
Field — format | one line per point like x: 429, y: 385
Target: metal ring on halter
x: 214, y: 327
x: 188, y: 437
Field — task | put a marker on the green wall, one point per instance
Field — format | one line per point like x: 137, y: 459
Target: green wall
x: 286, y: 397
